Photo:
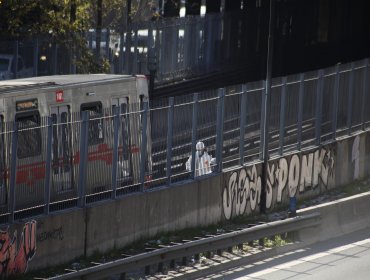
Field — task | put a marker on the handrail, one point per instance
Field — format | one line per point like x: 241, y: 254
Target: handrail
x: 212, y: 243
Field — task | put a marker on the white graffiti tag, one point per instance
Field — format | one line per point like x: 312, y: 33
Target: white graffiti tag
x: 241, y: 188
x: 299, y: 172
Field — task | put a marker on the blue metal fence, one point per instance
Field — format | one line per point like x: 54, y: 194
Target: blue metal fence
x: 307, y: 110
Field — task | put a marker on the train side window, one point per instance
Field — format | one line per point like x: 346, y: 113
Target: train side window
x: 95, y: 134
x: 29, y: 136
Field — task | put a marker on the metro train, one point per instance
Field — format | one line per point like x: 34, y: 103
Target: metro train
x: 31, y: 103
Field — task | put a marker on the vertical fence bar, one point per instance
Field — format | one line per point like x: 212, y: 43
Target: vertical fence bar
x: 243, y: 114
x: 13, y: 172
x: 365, y: 88
x: 116, y: 126
x: 319, y: 96
x: 35, y: 57
x: 194, y: 132
x: 220, y: 128
x: 350, y: 100
x: 263, y: 121
x: 83, y: 159
x: 136, y: 49
x: 335, y: 104
x: 300, y: 112
x: 282, y: 116
x: 48, y: 166
x: 55, y: 58
x: 169, y: 138
x: 15, y: 64
x: 143, y: 147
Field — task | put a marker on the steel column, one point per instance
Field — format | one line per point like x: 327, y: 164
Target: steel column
x: 116, y: 126
x: 365, y: 89
x: 319, y: 96
x: 194, y: 135
x: 48, y: 166
x: 169, y: 138
x: 300, y: 112
x: 13, y: 172
x: 83, y: 159
x: 243, y: 115
x: 335, y: 104
x: 350, y: 100
x: 220, y: 128
x: 143, y: 148
x: 282, y: 116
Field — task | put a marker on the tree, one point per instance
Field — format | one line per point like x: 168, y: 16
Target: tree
x: 67, y: 21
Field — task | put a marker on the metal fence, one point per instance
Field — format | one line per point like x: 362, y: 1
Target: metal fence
x: 172, y: 48
x: 83, y: 159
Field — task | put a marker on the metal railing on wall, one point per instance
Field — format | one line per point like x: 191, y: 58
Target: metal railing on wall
x: 87, y: 159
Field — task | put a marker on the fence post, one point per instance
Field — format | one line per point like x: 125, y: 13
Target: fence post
x: 243, y: 114
x: 336, y: 100
x: 116, y: 125
x: 220, y: 128
x: 35, y: 57
x: 350, y: 100
x: 194, y: 133
x: 264, y: 127
x: 48, y: 166
x: 300, y: 112
x: 319, y: 96
x: 364, y: 93
x: 136, y: 45
x: 55, y: 58
x: 13, y: 171
x: 143, y: 147
x: 282, y: 116
x: 15, y: 65
x: 83, y: 159
x: 169, y: 139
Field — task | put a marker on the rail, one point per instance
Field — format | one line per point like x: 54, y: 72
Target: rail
x: 207, y: 244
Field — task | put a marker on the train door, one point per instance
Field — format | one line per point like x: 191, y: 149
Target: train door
x: 62, y: 171
x: 124, y: 165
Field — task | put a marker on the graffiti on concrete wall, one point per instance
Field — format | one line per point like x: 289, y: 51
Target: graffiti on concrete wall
x: 15, y: 254
x: 54, y: 234
x: 242, y: 187
x: 286, y: 176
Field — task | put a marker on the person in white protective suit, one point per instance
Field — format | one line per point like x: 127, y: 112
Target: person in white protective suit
x: 203, y: 161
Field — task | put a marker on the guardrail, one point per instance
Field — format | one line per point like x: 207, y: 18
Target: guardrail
x: 207, y: 244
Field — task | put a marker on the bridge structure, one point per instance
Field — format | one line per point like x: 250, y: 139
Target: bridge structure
x: 211, y: 44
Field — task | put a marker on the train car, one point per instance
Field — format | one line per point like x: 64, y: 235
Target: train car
x: 31, y: 104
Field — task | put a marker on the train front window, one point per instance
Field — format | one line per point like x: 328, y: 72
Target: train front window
x: 95, y: 134
x: 29, y: 134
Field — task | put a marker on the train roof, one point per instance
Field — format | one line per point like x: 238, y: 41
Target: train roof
x: 57, y: 80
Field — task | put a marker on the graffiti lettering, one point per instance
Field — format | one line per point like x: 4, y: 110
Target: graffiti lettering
x: 14, y: 256
x: 52, y: 234
x: 302, y: 172
x: 285, y: 178
x: 241, y: 188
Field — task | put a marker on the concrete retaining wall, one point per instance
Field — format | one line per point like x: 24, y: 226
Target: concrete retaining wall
x: 338, y: 218
x: 65, y: 236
